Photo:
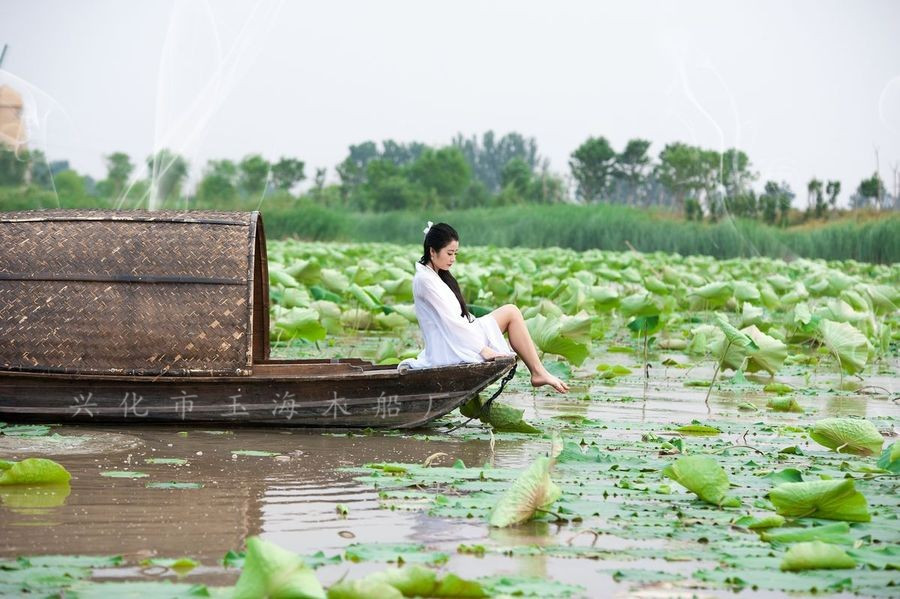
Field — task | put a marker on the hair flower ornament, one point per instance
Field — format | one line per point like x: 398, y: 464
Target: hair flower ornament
x: 428, y: 228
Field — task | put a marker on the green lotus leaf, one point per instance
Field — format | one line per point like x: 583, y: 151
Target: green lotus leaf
x: 280, y: 277
x: 761, y: 522
x: 532, y: 491
x: 779, y: 388
x: 357, y: 318
x: 644, y: 325
x: 300, y: 323
x: 275, y: 573
x: 294, y: 297
x: 836, y: 532
x: 639, y: 304
x: 784, y: 404
x: 411, y: 581
x: 884, y: 298
x: 391, y: 321
x: 816, y: 555
x: 501, y: 417
x: 657, y: 286
x: 846, y: 343
x: 363, y: 588
x: 702, y: 475
x: 33, y: 471
x: 320, y: 293
x: 769, y: 354
x: 335, y: 280
x: 365, y: 298
x: 454, y: 586
x: 802, y: 315
x: 780, y: 282
x: 329, y: 315
x: 305, y: 271
x: 840, y: 311
x: 714, y: 293
x: 751, y: 315
x: 604, y: 297
x: 890, y: 458
x: 745, y: 291
x: 827, y: 499
x: 703, y: 338
x: 788, y: 475
x: 696, y: 428
x: 734, y: 336
x: 847, y: 435
x: 566, y: 336
x: 886, y: 558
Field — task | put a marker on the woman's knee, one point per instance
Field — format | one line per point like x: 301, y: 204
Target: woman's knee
x: 513, y: 311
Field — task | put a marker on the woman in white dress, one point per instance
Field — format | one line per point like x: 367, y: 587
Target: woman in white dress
x: 452, y: 334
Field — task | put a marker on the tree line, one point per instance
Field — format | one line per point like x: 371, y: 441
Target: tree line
x: 475, y: 171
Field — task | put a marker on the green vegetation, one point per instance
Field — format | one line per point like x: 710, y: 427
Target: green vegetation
x: 794, y: 500
x: 594, y: 226
x: 487, y: 172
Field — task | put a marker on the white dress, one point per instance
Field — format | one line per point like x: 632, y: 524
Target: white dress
x: 449, y: 337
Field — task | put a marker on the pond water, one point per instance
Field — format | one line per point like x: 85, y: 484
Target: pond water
x: 291, y: 497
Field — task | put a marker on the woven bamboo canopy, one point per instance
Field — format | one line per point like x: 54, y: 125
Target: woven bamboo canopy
x: 138, y: 293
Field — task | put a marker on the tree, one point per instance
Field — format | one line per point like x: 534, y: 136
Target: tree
x: 592, y: 165
x: 813, y: 196
x: 287, y: 172
x: 517, y: 176
x: 785, y: 199
x: 352, y: 170
x: 488, y: 157
x: 768, y: 202
x: 444, y: 171
x: 218, y: 188
x: 684, y: 170
x: 402, y: 154
x: 41, y: 173
x: 630, y: 168
x: 167, y: 172
x: 319, y: 182
x: 387, y: 187
x: 736, y: 173
x: 743, y: 204
x: 118, y: 170
x: 69, y: 186
x: 692, y: 209
x: 14, y: 166
x: 870, y: 191
x: 253, y: 175
x: 833, y: 189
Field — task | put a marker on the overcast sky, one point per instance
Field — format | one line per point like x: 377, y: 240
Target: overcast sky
x: 806, y: 88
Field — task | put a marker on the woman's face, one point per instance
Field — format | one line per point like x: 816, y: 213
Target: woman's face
x: 444, y: 259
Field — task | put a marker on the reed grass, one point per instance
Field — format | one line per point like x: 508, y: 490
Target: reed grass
x: 601, y: 226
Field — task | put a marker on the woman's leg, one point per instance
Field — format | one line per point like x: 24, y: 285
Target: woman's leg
x: 511, y: 322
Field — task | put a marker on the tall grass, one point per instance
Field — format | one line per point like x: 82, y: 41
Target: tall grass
x: 601, y: 226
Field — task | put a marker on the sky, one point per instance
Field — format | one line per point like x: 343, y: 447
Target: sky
x: 805, y: 88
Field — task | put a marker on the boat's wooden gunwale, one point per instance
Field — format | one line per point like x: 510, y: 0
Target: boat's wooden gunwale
x: 298, y: 377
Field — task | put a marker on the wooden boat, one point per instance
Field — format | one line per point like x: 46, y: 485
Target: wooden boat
x: 164, y: 317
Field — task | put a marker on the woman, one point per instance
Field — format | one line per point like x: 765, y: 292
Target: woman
x: 452, y: 334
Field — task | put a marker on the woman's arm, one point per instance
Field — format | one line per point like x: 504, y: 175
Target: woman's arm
x: 461, y: 333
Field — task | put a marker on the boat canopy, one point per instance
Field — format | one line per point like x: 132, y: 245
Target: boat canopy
x: 133, y: 292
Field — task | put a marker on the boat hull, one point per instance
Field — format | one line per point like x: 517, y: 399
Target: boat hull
x: 374, y: 397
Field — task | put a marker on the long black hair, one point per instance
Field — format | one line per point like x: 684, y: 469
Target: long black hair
x: 438, y: 237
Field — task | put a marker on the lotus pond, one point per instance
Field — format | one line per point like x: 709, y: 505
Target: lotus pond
x: 731, y: 428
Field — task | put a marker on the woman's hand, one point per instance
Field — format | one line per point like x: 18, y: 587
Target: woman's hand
x: 489, y: 354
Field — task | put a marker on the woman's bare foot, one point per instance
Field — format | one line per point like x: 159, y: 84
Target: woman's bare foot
x: 545, y: 378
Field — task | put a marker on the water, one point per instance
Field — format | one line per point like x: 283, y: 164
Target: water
x: 291, y: 498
